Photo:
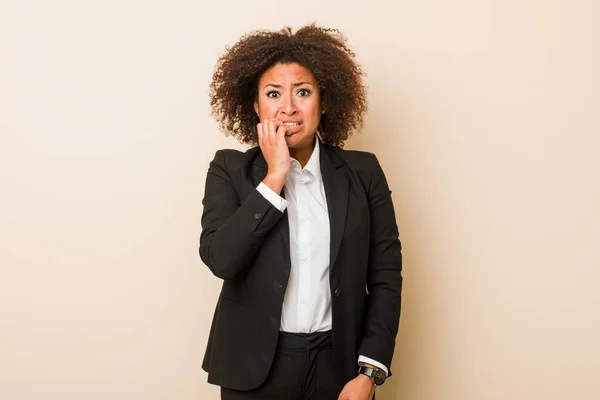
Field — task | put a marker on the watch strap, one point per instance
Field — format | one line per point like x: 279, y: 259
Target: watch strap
x: 370, y: 372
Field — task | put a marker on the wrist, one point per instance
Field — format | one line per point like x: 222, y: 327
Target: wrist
x: 366, y: 380
x: 275, y: 180
x: 279, y: 171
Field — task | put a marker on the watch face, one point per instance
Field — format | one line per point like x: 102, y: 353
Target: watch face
x: 379, y: 377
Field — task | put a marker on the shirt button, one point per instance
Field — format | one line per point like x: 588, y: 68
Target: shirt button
x: 257, y: 216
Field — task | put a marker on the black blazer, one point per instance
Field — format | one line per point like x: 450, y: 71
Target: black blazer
x: 245, y: 241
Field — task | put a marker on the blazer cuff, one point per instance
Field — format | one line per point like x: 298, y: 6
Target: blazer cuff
x: 276, y: 200
x: 367, y: 360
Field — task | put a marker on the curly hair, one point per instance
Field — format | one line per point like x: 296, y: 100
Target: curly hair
x: 324, y: 52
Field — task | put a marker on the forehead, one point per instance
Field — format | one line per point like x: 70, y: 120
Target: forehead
x: 287, y: 73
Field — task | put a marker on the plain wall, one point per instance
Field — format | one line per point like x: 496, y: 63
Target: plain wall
x: 483, y: 113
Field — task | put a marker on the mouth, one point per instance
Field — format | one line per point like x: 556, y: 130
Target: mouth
x: 294, y: 126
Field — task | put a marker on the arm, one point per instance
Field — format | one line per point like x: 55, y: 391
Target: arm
x: 232, y: 232
x: 384, y: 277
x: 384, y: 286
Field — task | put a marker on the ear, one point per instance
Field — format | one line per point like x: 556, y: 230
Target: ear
x: 256, y: 106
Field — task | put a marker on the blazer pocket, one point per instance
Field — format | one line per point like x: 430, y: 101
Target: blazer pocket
x: 231, y: 299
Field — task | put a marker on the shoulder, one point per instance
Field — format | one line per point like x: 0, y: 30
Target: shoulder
x: 354, y: 159
x: 233, y: 159
x: 360, y: 164
x: 237, y: 155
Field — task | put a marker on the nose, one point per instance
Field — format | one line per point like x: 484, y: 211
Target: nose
x: 288, y: 106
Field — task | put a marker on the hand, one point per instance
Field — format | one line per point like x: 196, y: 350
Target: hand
x: 359, y: 388
x: 271, y: 139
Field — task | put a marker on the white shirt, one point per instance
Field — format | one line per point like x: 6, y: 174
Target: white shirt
x: 307, y: 301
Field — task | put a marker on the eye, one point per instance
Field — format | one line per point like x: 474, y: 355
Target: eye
x: 303, y: 92
x: 273, y: 94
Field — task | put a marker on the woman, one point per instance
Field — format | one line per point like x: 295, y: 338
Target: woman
x: 302, y: 232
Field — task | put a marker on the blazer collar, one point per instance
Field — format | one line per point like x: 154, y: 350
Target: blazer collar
x: 324, y: 150
x: 314, y: 162
x: 336, y: 186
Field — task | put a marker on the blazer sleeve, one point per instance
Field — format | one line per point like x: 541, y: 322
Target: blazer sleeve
x: 384, y: 276
x: 232, y: 230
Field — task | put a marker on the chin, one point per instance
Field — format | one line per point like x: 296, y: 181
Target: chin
x: 292, y: 141
x: 296, y: 141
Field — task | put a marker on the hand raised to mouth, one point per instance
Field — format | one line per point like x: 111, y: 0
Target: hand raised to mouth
x: 271, y: 139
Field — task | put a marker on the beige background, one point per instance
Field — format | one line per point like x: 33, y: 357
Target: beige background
x: 484, y: 114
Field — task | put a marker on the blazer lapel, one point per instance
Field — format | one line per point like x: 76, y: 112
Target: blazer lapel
x: 336, y: 191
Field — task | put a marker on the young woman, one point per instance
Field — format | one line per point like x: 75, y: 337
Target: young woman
x: 302, y: 232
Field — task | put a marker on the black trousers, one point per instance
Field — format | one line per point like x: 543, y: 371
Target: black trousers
x: 302, y: 370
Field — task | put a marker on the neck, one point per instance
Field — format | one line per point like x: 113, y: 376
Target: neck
x: 303, y: 154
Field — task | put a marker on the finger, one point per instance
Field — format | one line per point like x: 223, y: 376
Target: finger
x: 259, y: 132
x: 275, y: 123
x: 282, y: 130
x: 272, y: 129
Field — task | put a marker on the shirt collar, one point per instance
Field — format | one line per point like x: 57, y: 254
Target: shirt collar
x: 314, y: 162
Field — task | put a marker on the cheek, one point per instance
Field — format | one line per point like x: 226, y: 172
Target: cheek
x: 314, y: 111
x: 266, y: 110
x: 272, y: 111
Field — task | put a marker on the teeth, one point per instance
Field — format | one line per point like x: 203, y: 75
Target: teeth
x: 290, y: 124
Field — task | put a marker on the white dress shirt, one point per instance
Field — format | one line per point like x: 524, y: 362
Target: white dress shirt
x: 307, y: 301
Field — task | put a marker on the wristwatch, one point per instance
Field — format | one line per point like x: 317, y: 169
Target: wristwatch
x: 377, y: 375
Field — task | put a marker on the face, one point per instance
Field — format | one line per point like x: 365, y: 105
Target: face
x: 290, y: 93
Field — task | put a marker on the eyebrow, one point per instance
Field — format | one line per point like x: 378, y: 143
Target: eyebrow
x: 295, y: 84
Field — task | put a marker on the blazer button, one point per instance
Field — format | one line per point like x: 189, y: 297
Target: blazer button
x: 277, y: 286
x: 336, y: 292
x: 257, y: 216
